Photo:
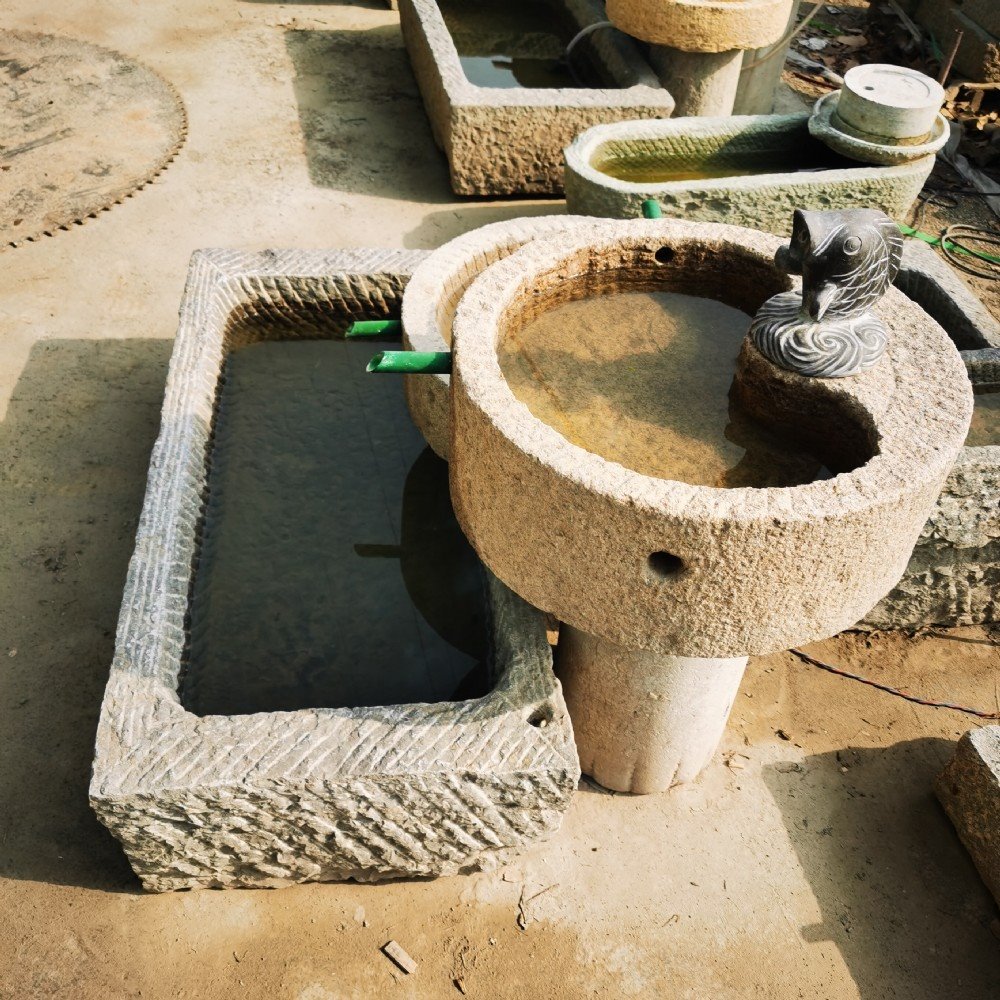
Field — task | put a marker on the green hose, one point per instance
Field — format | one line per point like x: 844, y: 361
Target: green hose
x: 374, y: 328
x: 651, y: 209
x: 411, y: 362
x: 935, y: 241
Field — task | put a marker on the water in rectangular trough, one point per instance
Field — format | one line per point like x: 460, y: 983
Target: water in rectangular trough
x: 985, y: 426
x: 332, y: 571
x: 506, y: 43
x: 806, y: 155
x: 643, y: 379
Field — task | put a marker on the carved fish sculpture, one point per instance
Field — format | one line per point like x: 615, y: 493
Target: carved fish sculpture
x: 847, y: 259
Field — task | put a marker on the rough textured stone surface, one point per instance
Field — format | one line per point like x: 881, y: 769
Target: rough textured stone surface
x: 507, y: 141
x: 942, y: 584
x: 969, y: 790
x: 761, y: 201
x: 702, y: 25
x: 953, y: 576
x: 278, y: 798
x: 761, y: 569
x: 433, y: 294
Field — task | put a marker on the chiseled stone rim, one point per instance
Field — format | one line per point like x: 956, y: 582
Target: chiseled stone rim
x: 703, y: 25
x: 892, y: 492
x: 433, y: 294
x: 182, y: 791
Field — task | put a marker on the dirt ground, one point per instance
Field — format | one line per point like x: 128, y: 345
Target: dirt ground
x: 818, y: 865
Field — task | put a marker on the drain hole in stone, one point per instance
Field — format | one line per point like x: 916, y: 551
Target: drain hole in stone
x: 540, y: 718
x: 664, y: 255
x: 664, y: 565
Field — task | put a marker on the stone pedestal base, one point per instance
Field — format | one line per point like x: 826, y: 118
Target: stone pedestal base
x: 702, y: 83
x: 644, y: 721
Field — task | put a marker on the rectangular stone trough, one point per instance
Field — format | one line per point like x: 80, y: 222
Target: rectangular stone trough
x: 278, y: 797
x: 501, y: 140
x: 953, y: 577
x: 739, y: 170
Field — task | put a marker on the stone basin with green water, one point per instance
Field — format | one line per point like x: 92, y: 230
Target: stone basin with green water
x: 749, y: 170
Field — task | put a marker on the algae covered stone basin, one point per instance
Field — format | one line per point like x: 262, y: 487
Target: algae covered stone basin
x: 653, y: 563
x: 748, y: 170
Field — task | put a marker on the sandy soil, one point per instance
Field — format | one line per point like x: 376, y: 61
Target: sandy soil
x: 815, y: 866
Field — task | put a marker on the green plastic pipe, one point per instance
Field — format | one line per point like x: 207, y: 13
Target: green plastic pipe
x: 935, y: 241
x: 375, y: 328
x: 651, y: 209
x: 411, y: 362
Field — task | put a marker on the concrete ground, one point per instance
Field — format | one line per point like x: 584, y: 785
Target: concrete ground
x: 815, y: 863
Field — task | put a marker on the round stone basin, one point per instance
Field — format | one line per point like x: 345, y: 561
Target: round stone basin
x: 615, y: 547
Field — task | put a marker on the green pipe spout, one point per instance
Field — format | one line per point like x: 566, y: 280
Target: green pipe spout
x: 374, y: 328
x: 411, y: 362
x: 651, y: 209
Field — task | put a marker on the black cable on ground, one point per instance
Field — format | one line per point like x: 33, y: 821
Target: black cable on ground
x: 806, y: 658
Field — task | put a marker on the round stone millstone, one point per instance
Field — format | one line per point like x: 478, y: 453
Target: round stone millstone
x: 702, y: 25
x: 654, y: 564
x: 84, y: 127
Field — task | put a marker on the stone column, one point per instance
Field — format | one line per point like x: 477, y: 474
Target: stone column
x: 644, y: 721
x: 701, y: 83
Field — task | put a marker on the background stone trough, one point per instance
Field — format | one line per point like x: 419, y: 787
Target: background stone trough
x: 700, y: 150
x: 507, y: 141
x: 276, y: 798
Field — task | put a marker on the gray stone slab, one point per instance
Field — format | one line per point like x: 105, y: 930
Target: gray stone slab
x: 510, y: 141
x: 969, y: 790
x: 277, y: 798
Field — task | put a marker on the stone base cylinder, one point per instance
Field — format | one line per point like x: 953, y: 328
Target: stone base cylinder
x: 701, y: 83
x: 644, y: 721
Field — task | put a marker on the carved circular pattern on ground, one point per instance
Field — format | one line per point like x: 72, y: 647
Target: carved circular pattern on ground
x: 82, y: 128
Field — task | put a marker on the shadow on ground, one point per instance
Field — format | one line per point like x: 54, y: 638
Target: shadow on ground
x: 75, y: 446
x: 362, y: 118
x: 872, y: 840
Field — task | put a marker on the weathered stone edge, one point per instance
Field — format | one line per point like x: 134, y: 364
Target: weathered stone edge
x: 969, y: 790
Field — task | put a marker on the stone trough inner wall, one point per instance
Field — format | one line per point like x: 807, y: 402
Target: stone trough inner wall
x: 277, y: 798
x: 510, y: 141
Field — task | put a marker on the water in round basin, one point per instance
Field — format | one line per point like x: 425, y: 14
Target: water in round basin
x: 643, y: 378
x: 985, y: 427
